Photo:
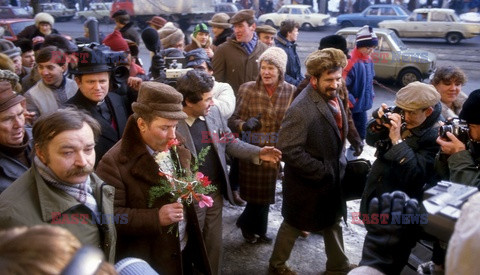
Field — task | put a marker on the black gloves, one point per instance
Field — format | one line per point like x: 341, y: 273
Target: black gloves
x: 252, y: 124
x: 358, y: 149
x: 387, y: 246
x: 157, y: 66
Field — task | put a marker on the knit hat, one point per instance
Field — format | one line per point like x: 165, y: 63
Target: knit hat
x: 8, y: 98
x: 8, y: 48
x: 116, y: 42
x: 25, y: 45
x: 134, y: 266
x: 61, y: 42
x: 326, y: 59
x: 266, y: 29
x: 170, y: 35
x: 202, y: 27
x: 220, y: 20
x: 334, y: 41
x: 157, y: 21
x: 196, y: 57
x: 44, y: 17
x: 243, y: 15
x: 159, y: 100
x: 275, y: 56
x: 470, y: 111
x: 417, y: 96
x: 366, y: 37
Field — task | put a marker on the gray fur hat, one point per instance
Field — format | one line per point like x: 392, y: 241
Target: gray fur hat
x: 44, y: 17
x: 170, y: 35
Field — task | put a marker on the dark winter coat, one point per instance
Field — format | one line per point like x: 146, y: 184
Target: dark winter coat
x: 293, y: 75
x: 129, y: 32
x: 109, y: 136
x: 131, y: 169
x: 32, y: 31
x: 407, y: 166
x: 222, y: 38
x: 257, y: 182
x: 313, y: 150
x: 10, y: 168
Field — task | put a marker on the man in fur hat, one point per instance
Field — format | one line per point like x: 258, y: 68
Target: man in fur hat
x: 130, y: 167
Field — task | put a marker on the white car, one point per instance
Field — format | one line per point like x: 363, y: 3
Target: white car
x: 101, y: 11
x: 302, y: 14
x: 433, y: 23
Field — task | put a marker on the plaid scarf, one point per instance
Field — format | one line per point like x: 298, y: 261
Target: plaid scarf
x: 251, y: 44
x: 82, y: 192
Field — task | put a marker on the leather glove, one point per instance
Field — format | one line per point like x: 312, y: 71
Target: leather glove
x: 387, y: 246
x: 157, y: 66
x: 358, y: 149
x: 252, y: 124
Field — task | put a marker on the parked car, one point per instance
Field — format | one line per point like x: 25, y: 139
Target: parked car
x: 58, y: 11
x: 433, y: 23
x: 393, y: 60
x: 228, y: 8
x: 14, y: 26
x: 101, y: 11
x: 372, y: 15
x: 303, y: 14
x: 7, y: 12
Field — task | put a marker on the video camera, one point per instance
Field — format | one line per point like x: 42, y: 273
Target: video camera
x: 384, y: 119
x: 457, y: 127
x: 94, y: 53
x: 174, y: 69
x: 443, y: 204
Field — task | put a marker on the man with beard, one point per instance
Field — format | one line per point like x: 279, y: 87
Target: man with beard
x: 60, y: 188
x: 312, y: 195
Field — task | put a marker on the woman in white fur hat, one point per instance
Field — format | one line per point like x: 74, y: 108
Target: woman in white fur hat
x: 43, y: 26
x: 261, y: 106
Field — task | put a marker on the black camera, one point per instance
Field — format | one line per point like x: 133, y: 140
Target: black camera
x: 457, y: 127
x: 384, y: 119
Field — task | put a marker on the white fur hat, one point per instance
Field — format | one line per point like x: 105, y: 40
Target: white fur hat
x: 44, y: 17
x: 276, y: 56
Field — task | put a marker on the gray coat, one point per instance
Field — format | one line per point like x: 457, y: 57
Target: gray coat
x: 10, y: 168
x: 216, y: 124
x: 31, y: 201
x: 313, y: 150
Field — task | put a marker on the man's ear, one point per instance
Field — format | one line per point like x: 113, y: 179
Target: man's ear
x: 429, y: 111
x: 77, y: 80
x: 142, y: 124
x: 40, y: 154
x: 313, y: 82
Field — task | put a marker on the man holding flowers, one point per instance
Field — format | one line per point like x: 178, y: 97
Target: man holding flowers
x: 148, y: 157
x: 204, y: 128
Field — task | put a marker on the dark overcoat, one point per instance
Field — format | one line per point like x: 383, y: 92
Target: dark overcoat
x: 131, y: 169
x: 109, y: 136
x: 313, y: 150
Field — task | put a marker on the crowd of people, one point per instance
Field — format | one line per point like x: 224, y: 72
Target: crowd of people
x: 90, y: 140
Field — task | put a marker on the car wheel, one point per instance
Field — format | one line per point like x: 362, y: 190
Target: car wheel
x: 346, y: 24
x: 307, y: 27
x: 453, y: 38
x: 408, y: 76
x: 270, y: 23
x: 82, y: 19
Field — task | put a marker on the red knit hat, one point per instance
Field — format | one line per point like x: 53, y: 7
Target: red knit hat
x: 116, y: 42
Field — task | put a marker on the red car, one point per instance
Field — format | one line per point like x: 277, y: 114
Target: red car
x: 14, y: 26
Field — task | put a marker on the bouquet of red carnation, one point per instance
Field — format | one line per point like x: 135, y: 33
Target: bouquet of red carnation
x: 184, y: 186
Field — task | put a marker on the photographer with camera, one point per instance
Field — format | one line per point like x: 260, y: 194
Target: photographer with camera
x: 463, y: 157
x: 405, y: 140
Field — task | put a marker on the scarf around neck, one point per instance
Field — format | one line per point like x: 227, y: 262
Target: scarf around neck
x: 82, y: 192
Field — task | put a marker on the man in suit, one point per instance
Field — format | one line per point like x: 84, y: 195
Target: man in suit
x: 109, y: 109
x: 312, y: 195
x: 205, y: 126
